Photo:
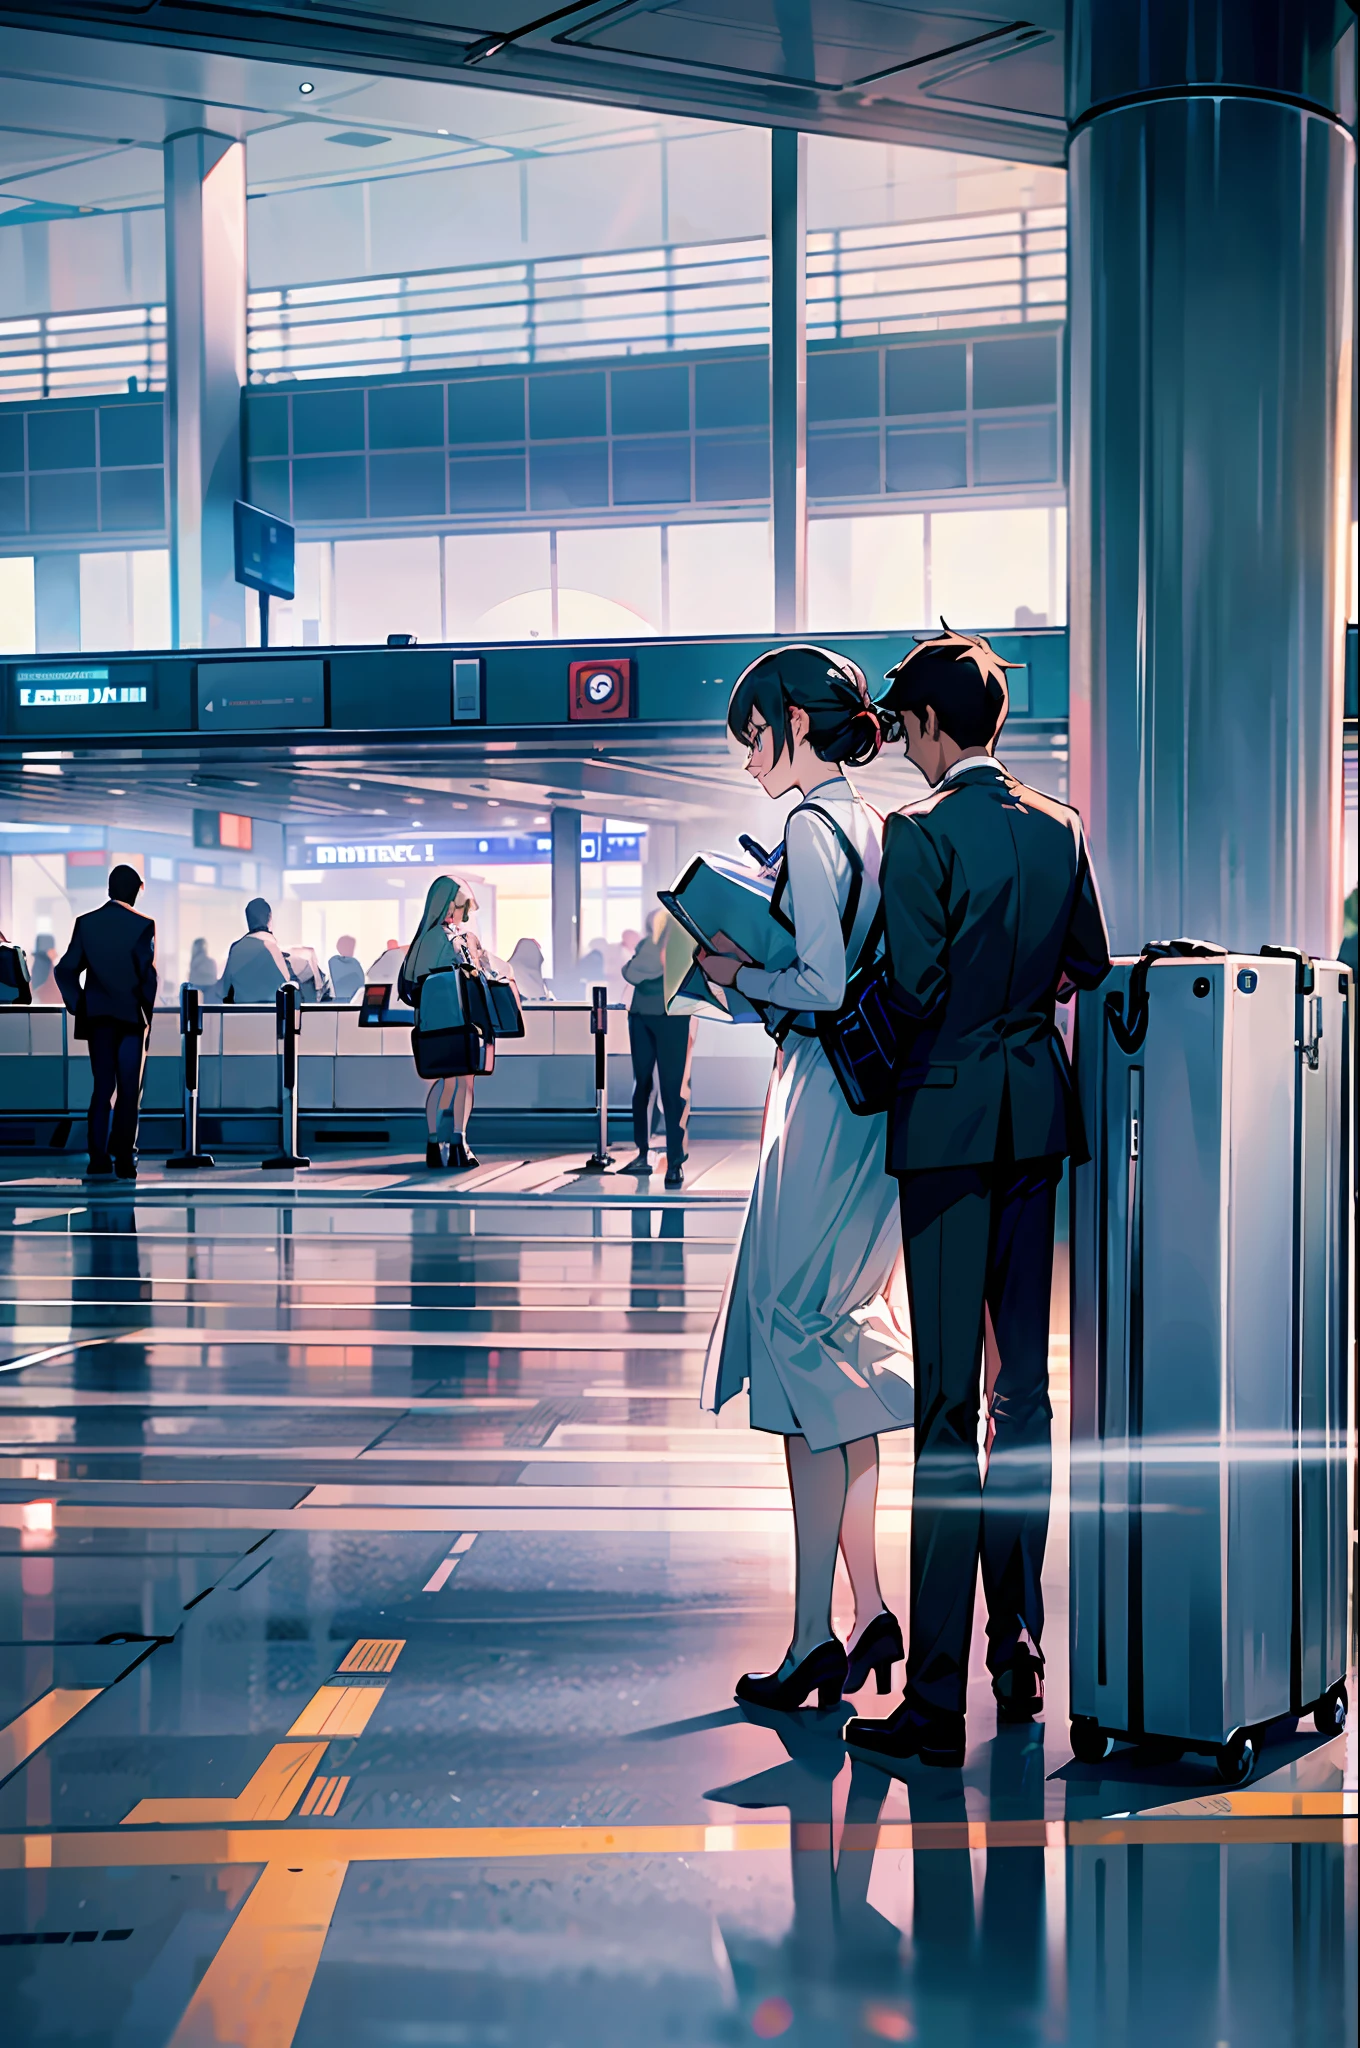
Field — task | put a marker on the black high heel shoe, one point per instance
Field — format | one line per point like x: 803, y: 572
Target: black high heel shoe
x: 878, y: 1649
x: 822, y: 1670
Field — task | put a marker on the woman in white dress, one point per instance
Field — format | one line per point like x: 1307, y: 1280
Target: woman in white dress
x: 814, y: 1318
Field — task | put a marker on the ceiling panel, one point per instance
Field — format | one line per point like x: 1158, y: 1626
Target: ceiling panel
x: 871, y: 68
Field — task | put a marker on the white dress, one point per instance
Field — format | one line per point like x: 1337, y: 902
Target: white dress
x: 814, y: 1316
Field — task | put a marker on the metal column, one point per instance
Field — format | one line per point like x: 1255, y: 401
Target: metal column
x: 1210, y: 224
x: 788, y: 376
x: 566, y: 899
x: 205, y: 278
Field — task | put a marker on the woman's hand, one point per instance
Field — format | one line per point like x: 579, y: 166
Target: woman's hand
x: 724, y: 963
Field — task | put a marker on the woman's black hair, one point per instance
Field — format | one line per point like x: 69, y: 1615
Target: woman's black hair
x: 843, y: 725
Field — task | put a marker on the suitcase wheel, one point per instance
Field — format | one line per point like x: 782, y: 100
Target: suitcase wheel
x: 1236, y: 1760
x: 1090, y: 1745
x: 1329, y: 1715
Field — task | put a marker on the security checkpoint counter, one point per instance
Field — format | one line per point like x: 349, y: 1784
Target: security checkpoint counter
x: 359, y: 1086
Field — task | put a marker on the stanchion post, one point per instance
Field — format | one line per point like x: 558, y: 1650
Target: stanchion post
x: 190, y: 1031
x: 287, y: 1026
x: 600, y: 1158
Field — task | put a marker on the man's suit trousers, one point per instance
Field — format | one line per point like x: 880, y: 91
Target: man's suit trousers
x: 662, y: 1044
x: 117, y: 1051
x: 977, y: 1240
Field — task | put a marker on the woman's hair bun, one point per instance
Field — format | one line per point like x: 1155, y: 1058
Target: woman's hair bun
x: 857, y: 741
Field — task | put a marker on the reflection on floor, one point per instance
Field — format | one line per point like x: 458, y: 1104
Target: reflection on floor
x: 371, y: 1594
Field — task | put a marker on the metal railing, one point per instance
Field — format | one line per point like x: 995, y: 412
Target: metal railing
x: 981, y: 270
x: 67, y: 355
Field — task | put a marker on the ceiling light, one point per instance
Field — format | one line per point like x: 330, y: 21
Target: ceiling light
x: 40, y: 768
x: 117, y: 792
x: 441, y: 131
x: 492, y: 804
x: 354, y: 785
x: 306, y: 86
x: 540, y: 821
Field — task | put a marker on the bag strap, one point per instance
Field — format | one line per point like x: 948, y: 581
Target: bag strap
x: 1128, y: 1028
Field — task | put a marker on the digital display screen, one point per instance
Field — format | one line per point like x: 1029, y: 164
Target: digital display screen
x: 81, y: 686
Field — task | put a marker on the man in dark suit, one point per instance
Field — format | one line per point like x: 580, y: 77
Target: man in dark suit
x: 991, y: 916
x: 114, y: 948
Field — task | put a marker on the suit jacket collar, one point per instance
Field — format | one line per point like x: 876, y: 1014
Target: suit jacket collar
x: 990, y: 766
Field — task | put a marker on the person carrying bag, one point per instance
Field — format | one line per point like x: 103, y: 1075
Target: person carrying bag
x: 463, y: 1001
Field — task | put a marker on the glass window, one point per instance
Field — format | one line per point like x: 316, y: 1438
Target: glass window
x: 652, y: 472
x: 620, y: 563
x: 403, y: 486
x: 406, y: 416
x: 989, y: 568
x: 269, y: 488
x: 1019, y: 371
x: 651, y: 401
x: 486, y: 409
x: 732, y: 394
x: 931, y: 460
x: 61, y: 440
x: 842, y: 465
x: 842, y: 384
x: 575, y: 474
x: 721, y: 578
x: 325, y: 422
x: 731, y: 466
x: 125, y: 600
x: 266, y: 424
x: 489, y: 483
x: 566, y: 408
x: 387, y: 586
x: 866, y: 575
x: 13, y: 505
x: 927, y: 379
x: 64, y: 503
x: 1015, y: 451
x: 132, y: 500
x: 11, y: 441
x: 131, y: 434
x: 329, y: 487
x: 18, y: 624
x: 484, y: 572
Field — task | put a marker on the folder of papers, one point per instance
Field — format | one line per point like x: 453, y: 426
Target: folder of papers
x: 719, y: 894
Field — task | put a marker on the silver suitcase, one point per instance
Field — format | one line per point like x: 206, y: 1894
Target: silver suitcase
x: 1211, y: 1297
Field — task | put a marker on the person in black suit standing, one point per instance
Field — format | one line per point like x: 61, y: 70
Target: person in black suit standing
x: 114, y: 948
x: 992, y: 916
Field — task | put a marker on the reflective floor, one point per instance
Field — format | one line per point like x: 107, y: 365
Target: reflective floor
x: 371, y: 1595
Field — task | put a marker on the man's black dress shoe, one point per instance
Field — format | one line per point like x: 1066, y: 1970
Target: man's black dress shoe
x: 1019, y: 1687
x: 822, y: 1670
x: 125, y: 1169
x: 935, y: 1738
x: 99, y: 1169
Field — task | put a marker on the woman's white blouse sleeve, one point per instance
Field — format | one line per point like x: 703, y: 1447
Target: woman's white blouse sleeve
x: 816, y: 978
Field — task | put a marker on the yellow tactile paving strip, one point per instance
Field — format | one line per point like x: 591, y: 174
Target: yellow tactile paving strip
x: 372, y: 1653
x: 337, y: 1710
x: 272, y: 1793
x: 324, y: 1796
x: 37, y: 1724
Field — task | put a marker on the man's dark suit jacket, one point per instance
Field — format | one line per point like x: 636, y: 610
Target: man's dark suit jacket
x: 990, y: 906
x: 115, y: 948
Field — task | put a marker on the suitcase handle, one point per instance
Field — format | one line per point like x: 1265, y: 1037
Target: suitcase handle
x: 1130, y: 1029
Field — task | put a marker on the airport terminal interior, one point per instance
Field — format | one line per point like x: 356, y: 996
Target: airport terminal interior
x: 414, y: 417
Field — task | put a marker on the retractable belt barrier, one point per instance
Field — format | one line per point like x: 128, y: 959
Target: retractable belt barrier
x: 600, y: 1158
x: 190, y: 1031
x: 287, y: 1029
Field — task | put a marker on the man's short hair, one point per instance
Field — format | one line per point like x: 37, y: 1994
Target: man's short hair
x: 258, y: 914
x: 961, y: 676
x: 125, y: 885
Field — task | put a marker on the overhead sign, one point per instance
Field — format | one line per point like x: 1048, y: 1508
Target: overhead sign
x: 70, y: 686
x: 469, y: 849
x: 261, y: 694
